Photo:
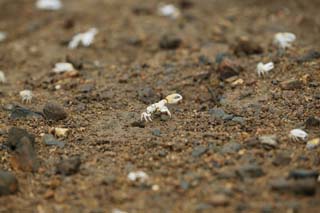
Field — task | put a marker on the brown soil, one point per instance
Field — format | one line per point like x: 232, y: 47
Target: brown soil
x: 126, y: 58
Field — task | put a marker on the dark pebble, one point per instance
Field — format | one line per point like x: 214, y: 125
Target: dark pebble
x: 281, y: 159
x: 291, y: 84
x: 8, y: 183
x: 156, y: 132
x: 312, y: 55
x: 53, y: 111
x: 169, y: 42
x: 228, y: 68
x: 247, y: 47
x: 21, y: 143
x: 199, y: 150
x: 69, y: 166
x: 303, y: 174
x: 312, y: 122
x: 139, y: 124
x: 17, y: 112
x: 231, y: 147
x: 250, y: 171
x: 50, y: 140
x: 305, y: 187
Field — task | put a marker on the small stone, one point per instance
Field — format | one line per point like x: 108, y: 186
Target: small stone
x: 139, y: 124
x: 68, y: 166
x: 291, y: 84
x: 238, y: 119
x: 305, y: 187
x: 312, y: 122
x: 219, y: 113
x: 17, y: 112
x: 21, y: 143
x: 250, y: 171
x: 303, y: 174
x: 50, y: 140
x: 230, y: 148
x: 199, y: 150
x: 169, y: 42
x: 269, y: 141
x: 8, y: 183
x: 60, y: 132
x: 281, y: 159
x: 313, y: 144
x: 228, y: 68
x: 312, y: 55
x: 156, y: 132
x: 247, y: 47
x: 86, y: 88
x: 219, y: 200
x: 147, y: 95
x: 53, y: 111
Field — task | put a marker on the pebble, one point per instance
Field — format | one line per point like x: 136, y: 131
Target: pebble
x: 250, y: 171
x: 291, y: 84
x: 219, y: 113
x: 50, y: 140
x: 156, y: 132
x: 281, y: 159
x: 17, y: 112
x: 228, y: 68
x: 169, y: 42
x: 147, y: 95
x: 303, y: 174
x: 199, y: 150
x: 238, y: 119
x: 53, y: 111
x: 8, y: 183
x: 21, y: 143
x: 219, y: 200
x: 68, y: 166
x: 247, y: 47
x: 230, y: 148
x: 60, y: 132
x: 139, y: 124
x: 310, y: 56
x: 312, y: 122
x: 313, y: 144
x: 269, y: 141
x: 305, y: 187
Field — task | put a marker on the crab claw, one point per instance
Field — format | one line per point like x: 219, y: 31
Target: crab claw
x: 173, y: 98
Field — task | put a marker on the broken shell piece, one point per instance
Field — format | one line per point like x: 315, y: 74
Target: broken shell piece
x: 138, y: 176
x: 3, y: 36
x: 169, y: 10
x: 59, y: 132
x: 284, y: 40
x: 85, y: 39
x: 298, y: 134
x: 2, y: 77
x: 63, y: 67
x: 312, y: 144
x: 49, y: 4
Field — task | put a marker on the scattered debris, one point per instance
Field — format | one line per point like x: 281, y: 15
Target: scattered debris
x: 263, y: 69
x: 169, y: 10
x: 161, y: 106
x: 50, y: 140
x: 21, y: 143
x: 2, y: 77
x: 63, y: 67
x: 3, y: 36
x: 8, y: 183
x: 69, y: 166
x: 284, y: 40
x: 298, y: 134
x: 54, y: 112
x: 139, y: 176
x: 85, y: 39
x: 26, y: 96
x: 312, y: 144
x: 49, y: 4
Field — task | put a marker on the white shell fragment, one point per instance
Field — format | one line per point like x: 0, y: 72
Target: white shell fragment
x: 284, y: 40
x: 60, y: 132
x: 298, y: 134
x: 85, y: 38
x: 2, y: 77
x: 263, y: 69
x: 312, y: 144
x: 49, y: 4
x: 3, y: 36
x: 62, y: 67
x: 26, y: 96
x: 138, y: 176
x: 169, y: 10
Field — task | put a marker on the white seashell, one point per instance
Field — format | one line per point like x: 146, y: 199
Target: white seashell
x: 62, y: 67
x: 312, y: 144
x: 49, y: 4
x: 298, y: 134
x: 284, y: 40
x: 169, y: 10
x: 138, y: 176
x: 2, y: 77
x: 85, y: 39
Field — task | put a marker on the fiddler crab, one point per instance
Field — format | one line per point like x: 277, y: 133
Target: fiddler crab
x: 160, y: 107
x: 26, y: 96
x: 263, y: 69
x: 298, y: 134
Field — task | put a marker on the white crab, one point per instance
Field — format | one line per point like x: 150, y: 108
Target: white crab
x: 85, y: 38
x: 262, y: 68
x: 161, y: 106
x: 26, y: 96
x: 138, y: 176
x: 298, y: 134
x: 284, y: 40
x: 2, y: 77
